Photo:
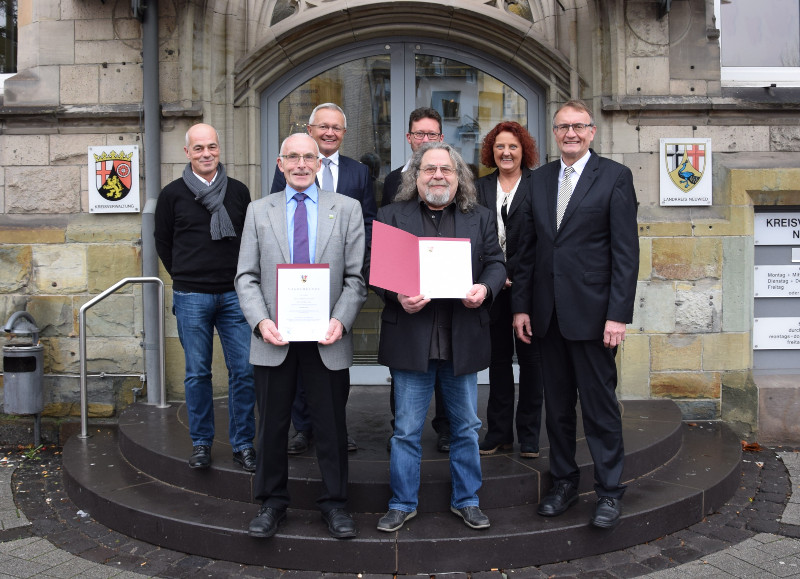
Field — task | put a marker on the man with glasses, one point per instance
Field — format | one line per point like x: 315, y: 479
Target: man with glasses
x: 327, y: 125
x: 301, y: 225
x: 575, y: 290
x: 424, y: 340
x: 424, y: 126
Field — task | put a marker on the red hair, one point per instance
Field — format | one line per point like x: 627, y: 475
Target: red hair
x: 530, y: 153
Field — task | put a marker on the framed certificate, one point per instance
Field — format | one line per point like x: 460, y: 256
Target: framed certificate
x: 303, y: 301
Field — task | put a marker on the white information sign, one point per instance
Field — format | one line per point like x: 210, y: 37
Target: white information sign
x: 776, y: 334
x: 685, y: 176
x: 777, y: 229
x: 114, y: 179
x: 777, y: 281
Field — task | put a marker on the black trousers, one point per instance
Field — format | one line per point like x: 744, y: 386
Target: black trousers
x: 500, y: 407
x: 584, y: 369
x: 326, y: 393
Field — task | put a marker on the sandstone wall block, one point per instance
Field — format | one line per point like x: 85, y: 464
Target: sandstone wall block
x: 685, y: 384
x: 43, y: 189
x: 676, y: 352
x: 687, y: 258
x: 16, y: 263
x: 59, y: 269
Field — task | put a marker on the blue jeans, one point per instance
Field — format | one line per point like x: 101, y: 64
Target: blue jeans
x: 412, y: 396
x: 197, y: 315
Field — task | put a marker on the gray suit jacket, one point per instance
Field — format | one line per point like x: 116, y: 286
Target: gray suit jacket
x: 265, y: 244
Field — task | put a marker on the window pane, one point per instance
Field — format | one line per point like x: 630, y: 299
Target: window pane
x: 8, y: 36
x: 361, y: 88
x: 762, y: 33
x: 470, y: 101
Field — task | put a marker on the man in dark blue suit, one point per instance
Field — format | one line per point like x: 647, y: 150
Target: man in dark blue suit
x: 327, y: 125
x: 575, y: 289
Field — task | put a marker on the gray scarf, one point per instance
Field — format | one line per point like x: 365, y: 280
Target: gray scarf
x: 212, y: 196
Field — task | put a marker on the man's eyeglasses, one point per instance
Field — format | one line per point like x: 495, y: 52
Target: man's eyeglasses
x: 579, y: 128
x: 294, y: 158
x: 419, y: 135
x: 430, y: 170
x: 325, y: 128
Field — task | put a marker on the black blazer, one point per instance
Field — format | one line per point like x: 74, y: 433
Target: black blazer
x: 354, y: 181
x: 586, y: 271
x: 487, y: 196
x: 391, y: 185
x: 405, y: 338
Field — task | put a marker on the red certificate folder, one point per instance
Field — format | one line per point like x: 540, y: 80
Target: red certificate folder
x: 395, y: 261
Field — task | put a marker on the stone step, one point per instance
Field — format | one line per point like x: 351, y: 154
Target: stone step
x: 697, y: 480
x: 156, y: 441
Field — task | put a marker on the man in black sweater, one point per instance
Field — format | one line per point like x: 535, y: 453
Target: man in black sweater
x: 198, y: 228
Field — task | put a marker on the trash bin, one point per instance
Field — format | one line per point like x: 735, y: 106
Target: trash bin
x: 22, y: 367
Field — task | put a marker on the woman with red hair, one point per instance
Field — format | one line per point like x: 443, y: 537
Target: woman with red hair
x: 507, y: 192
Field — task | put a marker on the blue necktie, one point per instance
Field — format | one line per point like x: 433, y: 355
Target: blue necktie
x: 300, y: 230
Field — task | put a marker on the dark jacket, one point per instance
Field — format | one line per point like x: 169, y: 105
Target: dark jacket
x: 585, y: 272
x: 405, y: 338
x: 487, y: 196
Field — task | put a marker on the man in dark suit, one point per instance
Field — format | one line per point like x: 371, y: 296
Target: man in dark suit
x: 302, y: 225
x: 575, y: 289
x: 328, y: 125
x: 424, y: 126
x: 424, y: 340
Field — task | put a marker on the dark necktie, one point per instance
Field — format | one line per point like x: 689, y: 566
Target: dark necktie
x: 504, y: 210
x: 300, y: 230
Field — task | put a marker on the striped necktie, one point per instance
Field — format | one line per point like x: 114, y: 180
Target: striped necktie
x: 564, y: 193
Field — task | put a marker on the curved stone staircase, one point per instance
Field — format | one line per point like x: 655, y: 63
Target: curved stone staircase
x: 135, y: 480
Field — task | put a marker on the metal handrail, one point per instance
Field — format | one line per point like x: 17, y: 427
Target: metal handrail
x: 82, y: 329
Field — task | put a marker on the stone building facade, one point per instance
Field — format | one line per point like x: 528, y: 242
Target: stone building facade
x: 647, y: 73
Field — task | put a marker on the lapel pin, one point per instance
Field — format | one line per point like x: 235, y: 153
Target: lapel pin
x: 330, y: 215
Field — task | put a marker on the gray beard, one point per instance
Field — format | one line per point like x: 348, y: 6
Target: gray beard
x: 437, y: 200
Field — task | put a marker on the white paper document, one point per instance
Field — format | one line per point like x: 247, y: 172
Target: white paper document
x: 303, y: 301
x: 445, y: 267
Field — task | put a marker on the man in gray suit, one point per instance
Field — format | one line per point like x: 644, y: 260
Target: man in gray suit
x: 334, y: 236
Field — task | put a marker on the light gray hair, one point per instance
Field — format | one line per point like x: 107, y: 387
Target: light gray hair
x: 332, y: 106
x: 466, y: 195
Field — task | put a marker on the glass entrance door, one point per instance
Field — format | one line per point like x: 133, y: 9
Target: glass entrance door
x: 377, y: 86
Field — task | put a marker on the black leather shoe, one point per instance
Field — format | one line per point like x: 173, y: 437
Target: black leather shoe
x: 561, y: 497
x: 201, y: 456
x: 246, y: 458
x: 340, y: 523
x: 443, y: 442
x: 489, y: 447
x: 299, y: 443
x: 394, y: 519
x: 528, y: 451
x: 607, y: 512
x: 351, y: 444
x: 473, y: 517
x: 266, y: 523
